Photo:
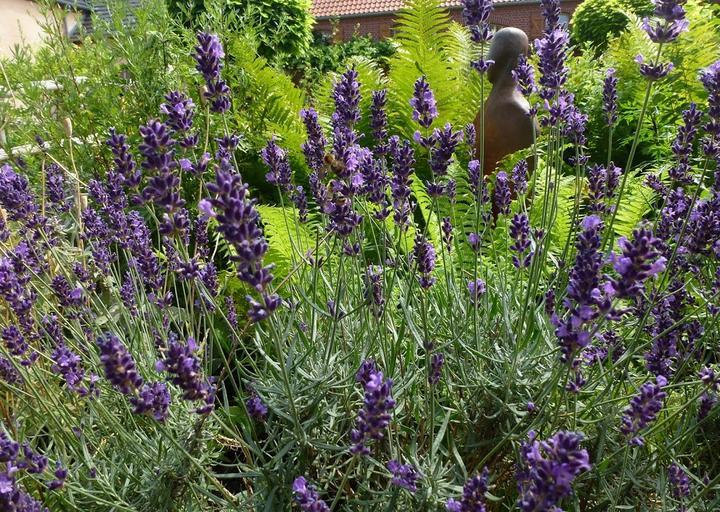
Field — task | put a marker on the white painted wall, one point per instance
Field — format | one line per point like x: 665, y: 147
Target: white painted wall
x: 20, y: 24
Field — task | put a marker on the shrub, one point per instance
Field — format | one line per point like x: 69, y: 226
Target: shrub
x: 594, y: 21
x: 282, y: 28
x: 432, y: 337
x: 325, y: 56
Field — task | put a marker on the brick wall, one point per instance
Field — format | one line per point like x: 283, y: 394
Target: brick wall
x: 525, y: 16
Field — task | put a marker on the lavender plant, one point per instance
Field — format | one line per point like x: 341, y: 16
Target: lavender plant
x: 417, y: 349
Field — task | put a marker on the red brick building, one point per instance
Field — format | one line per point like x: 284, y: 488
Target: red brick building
x: 345, y: 18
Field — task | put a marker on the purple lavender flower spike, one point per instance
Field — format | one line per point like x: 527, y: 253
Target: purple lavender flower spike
x: 639, y: 260
x: 475, y: 178
x: 34, y: 463
x: 61, y: 475
x: 14, y: 340
x: 501, y: 194
x: 610, y: 97
x: 9, y: 449
x: 276, y: 160
x: 552, y: 52
x: 299, y: 198
x: 180, y: 111
x: 451, y: 190
x: 470, y: 139
x: 123, y: 160
x: 209, y: 55
x: 682, y: 146
x: 119, y: 365
x: 710, y: 78
x: 226, y: 146
x: 319, y: 191
x: 231, y: 311
x: 375, y: 289
x: 597, y: 185
x: 347, y: 100
x: 185, y: 370
x: 473, y: 498
x: 367, y: 369
x: 143, y: 257
x: 654, y: 72
x: 16, y: 197
x: 548, y: 469
x: 670, y: 21
x: 238, y: 220
x: 423, y: 103
x: 575, y: 122
x: 551, y: 14
x: 477, y: 289
x: 524, y: 75
x: 583, y: 293
x: 157, y: 147
x: 437, y: 361
x: 374, y: 417
x: 379, y: 121
x: 68, y: 365
x: 403, y: 164
x: 404, y: 475
x: 256, y: 408
x: 644, y: 408
x: 679, y: 481
x: 710, y: 378
x: 520, y: 177
x: 447, y: 233
x: 307, y: 497
x: 424, y: 257
x: 314, y: 147
x: 453, y: 506
x: 67, y: 296
x: 476, y: 14
x: 153, y: 399
x: 55, y: 188
x: 602, y: 184
x: 520, y: 233
x: 8, y: 373
x: 374, y: 174
x: 446, y: 141
x: 343, y: 218
x: 707, y: 402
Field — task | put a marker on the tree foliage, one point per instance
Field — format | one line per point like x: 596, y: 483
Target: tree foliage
x: 595, y: 21
x: 282, y: 28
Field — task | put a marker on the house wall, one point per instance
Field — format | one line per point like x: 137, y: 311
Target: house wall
x: 20, y: 24
x: 524, y: 16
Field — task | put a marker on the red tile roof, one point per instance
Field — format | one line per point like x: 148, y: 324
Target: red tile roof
x: 340, y: 8
x: 350, y: 8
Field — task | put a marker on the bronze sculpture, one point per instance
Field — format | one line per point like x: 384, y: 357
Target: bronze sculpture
x: 508, y: 125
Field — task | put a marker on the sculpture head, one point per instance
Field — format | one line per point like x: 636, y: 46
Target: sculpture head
x: 507, y: 45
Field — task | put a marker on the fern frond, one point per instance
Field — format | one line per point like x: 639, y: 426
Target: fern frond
x: 288, y: 241
x: 637, y: 202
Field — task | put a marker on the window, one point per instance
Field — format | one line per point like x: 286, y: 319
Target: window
x: 564, y: 19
